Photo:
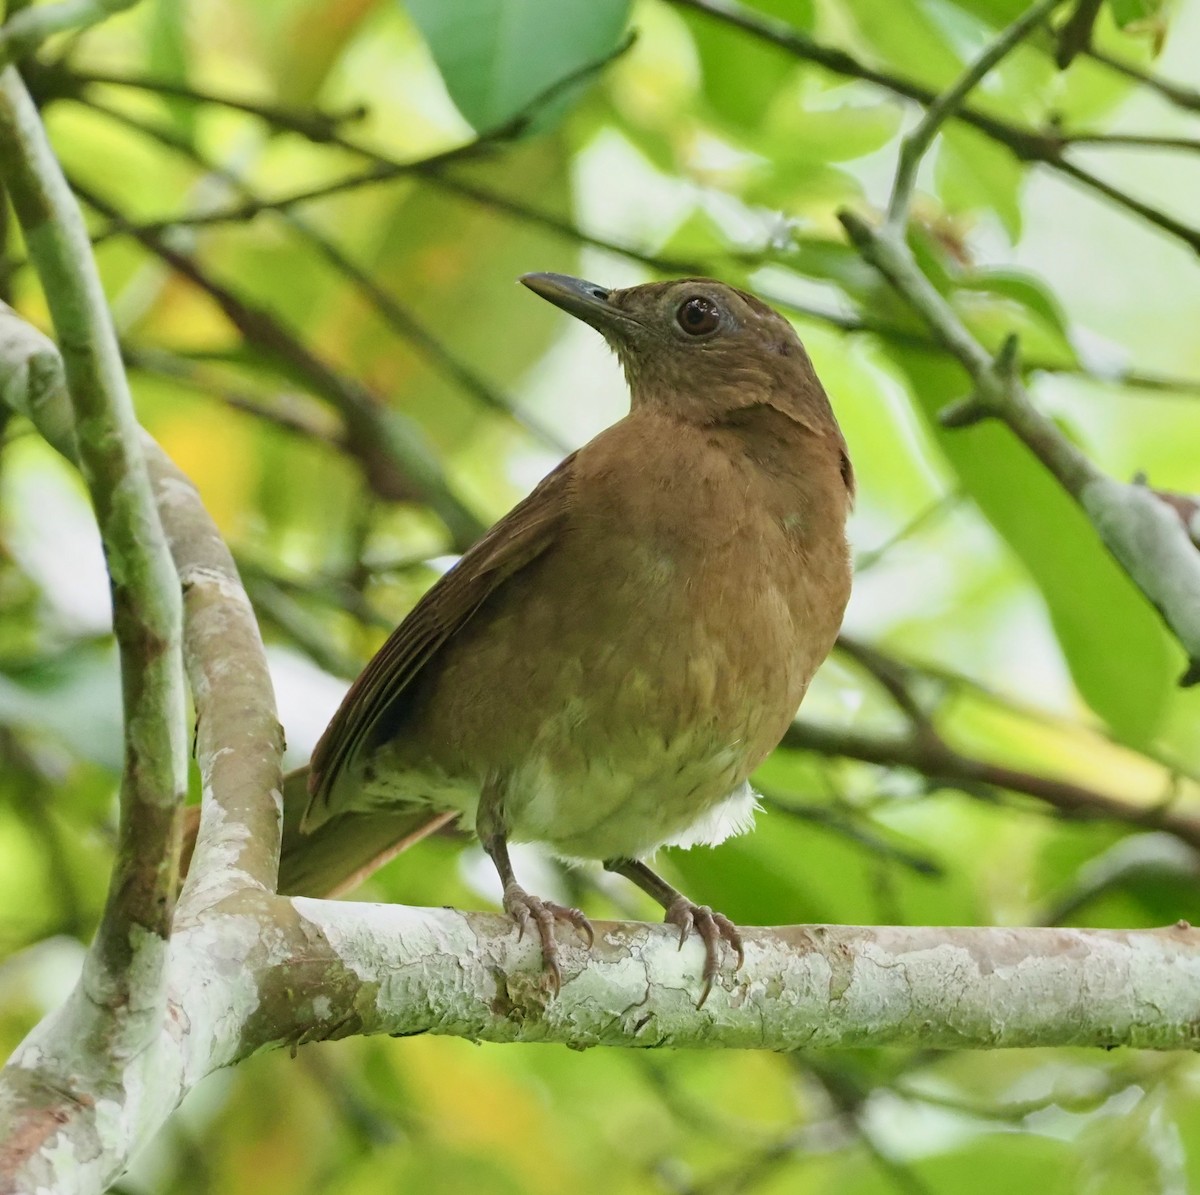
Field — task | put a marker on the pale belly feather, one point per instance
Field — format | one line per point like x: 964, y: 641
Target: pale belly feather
x: 674, y: 795
x: 680, y: 793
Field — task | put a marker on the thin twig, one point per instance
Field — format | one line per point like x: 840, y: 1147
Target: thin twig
x: 1027, y: 145
x: 384, y: 169
x: 1152, y: 215
x: 62, y: 79
x: 294, y: 414
x: 930, y: 756
x: 51, y: 80
x: 1130, y: 140
x: 933, y: 512
x: 507, y: 205
x: 1152, y: 384
x: 1183, y: 97
x: 891, y: 676
x: 914, y: 146
x: 398, y: 317
x: 398, y: 463
x: 853, y: 830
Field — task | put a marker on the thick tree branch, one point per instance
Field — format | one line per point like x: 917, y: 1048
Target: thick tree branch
x: 238, y: 741
x: 449, y: 971
x: 263, y: 972
x: 146, y: 611
x: 74, y: 1063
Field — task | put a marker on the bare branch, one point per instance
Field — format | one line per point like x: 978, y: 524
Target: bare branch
x: 927, y: 754
x: 61, y: 78
x: 1183, y: 97
x: 292, y: 412
x: 265, y: 972
x: 1145, y: 534
x: 146, y: 608
x: 239, y: 742
x: 1130, y: 140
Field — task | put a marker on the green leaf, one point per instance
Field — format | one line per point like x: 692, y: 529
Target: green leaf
x: 1111, y: 636
x: 497, y: 56
x: 907, y: 37
x: 1022, y: 288
x: 831, y: 134
x: 997, y: 303
x: 456, y: 263
x: 1126, y: 12
x: 1000, y: 1163
x: 996, y: 13
x: 975, y: 174
x: 742, y: 75
x: 801, y: 188
x: 167, y: 56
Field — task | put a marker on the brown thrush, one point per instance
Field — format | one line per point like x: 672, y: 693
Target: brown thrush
x: 605, y: 668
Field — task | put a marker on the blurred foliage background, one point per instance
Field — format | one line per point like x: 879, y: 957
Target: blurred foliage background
x: 309, y: 215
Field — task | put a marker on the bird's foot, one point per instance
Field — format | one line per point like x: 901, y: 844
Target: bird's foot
x: 713, y: 928
x: 529, y: 911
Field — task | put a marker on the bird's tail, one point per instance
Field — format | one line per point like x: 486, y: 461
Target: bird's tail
x: 340, y: 853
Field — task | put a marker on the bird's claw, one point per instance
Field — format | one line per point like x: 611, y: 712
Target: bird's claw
x: 525, y: 910
x: 713, y: 928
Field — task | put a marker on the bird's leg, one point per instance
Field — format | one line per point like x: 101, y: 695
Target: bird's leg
x: 687, y: 916
x: 523, y: 908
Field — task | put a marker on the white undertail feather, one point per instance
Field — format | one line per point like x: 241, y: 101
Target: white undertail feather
x: 733, y: 816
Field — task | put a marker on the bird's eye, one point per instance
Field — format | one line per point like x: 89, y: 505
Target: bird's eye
x: 698, y: 316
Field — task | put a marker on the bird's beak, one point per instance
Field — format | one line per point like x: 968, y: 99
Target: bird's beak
x: 584, y: 300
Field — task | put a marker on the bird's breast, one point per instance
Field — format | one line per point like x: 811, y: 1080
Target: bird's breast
x: 624, y: 685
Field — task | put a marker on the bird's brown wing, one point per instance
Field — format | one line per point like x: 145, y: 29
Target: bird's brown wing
x: 517, y: 539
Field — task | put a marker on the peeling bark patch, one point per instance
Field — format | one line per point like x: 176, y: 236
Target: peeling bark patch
x: 48, y: 1110
x: 841, y: 970
x: 502, y: 1005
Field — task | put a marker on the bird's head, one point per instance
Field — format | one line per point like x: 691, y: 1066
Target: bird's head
x: 697, y: 347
